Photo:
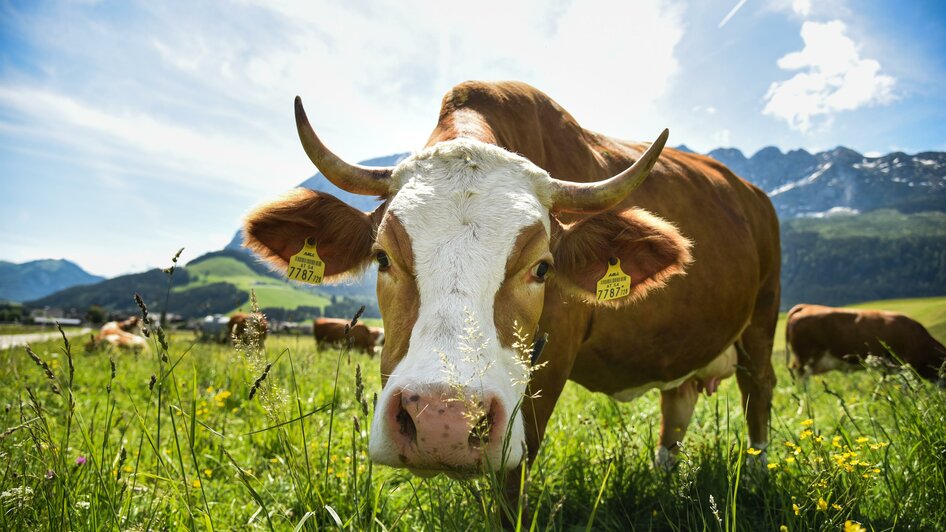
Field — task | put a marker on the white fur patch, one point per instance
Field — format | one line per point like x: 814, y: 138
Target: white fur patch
x: 462, y: 203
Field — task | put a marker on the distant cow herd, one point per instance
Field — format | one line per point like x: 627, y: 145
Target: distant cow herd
x: 241, y: 328
x: 818, y: 339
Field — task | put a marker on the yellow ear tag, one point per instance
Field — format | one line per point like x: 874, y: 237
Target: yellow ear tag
x: 306, y: 265
x: 615, y: 284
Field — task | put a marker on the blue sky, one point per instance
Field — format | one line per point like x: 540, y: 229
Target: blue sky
x: 129, y: 129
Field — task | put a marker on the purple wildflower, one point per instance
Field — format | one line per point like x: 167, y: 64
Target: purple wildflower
x: 80, y: 460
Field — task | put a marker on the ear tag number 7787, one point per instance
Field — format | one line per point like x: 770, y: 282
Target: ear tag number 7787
x: 306, y: 265
x: 615, y: 284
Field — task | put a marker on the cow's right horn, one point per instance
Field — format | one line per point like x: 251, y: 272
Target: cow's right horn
x: 569, y: 196
x: 357, y: 179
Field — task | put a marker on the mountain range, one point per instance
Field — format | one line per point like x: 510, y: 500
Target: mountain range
x: 38, y: 278
x: 842, y: 181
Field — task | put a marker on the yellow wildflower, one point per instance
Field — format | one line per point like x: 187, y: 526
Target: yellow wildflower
x: 796, y: 509
x: 822, y: 504
x: 196, y: 483
x: 853, y: 526
x: 208, y: 472
x: 807, y: 422
x: 836, y: 441
x: 783, y: 528
x: 863, y: 439
x: 805, y: 434
x: 836, y: 506
x: 819, y: 438
x: 790, y: 460
x: 753, y: 451
x: 772, y: 465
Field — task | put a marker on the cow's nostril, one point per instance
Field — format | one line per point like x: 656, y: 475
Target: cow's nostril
x: 408, y: 428
x: 479, y: 435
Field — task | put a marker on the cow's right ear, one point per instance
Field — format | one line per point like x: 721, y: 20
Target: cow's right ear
x: 343, y: 235
x: 651, y: 251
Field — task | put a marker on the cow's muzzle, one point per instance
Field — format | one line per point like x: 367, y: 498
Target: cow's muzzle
x: 441, y: 428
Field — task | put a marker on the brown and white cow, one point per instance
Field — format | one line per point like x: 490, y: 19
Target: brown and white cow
x: 827, y: 338
x: 125, y: 334
x: 507, y: 219
x: 245, y: 328
x: 332, y: 331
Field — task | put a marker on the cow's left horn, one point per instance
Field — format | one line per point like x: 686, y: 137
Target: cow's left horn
x: 353, y: 178
x: 568, y: 196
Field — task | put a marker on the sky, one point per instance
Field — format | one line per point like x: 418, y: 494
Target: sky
x: 129, y: 129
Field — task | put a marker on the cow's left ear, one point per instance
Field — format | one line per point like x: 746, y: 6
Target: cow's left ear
x: 651, y: 250
x: 343, y: 235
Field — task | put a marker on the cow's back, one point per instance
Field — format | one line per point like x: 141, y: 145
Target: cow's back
x: 329, y: 329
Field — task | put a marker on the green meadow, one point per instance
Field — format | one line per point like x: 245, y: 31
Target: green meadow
x: 171, y: 439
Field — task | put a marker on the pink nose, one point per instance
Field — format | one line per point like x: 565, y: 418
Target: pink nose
x: 438, y: 427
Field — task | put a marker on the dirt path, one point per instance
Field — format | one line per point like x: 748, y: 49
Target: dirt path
x: 15, y: 340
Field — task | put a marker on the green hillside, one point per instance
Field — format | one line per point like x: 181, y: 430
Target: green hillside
x: 882, y: 223
x: 876, y: 255
x: 270, y: 291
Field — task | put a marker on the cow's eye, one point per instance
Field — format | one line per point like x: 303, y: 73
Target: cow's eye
x: 383, y: 262
x: 540, y: 271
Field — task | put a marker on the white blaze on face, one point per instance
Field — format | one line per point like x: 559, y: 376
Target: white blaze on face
x: 463, y: 203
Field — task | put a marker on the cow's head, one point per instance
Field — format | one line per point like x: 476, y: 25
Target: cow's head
x: 464, y: 244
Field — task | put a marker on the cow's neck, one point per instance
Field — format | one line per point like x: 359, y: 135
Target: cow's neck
x: 526, y: 122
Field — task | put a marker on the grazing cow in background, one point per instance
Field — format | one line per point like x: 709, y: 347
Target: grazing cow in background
x: 332, y: 331
x: 827, y: 338
x: 242, y: 327
x: 122, y: 334
x: 510, y: 221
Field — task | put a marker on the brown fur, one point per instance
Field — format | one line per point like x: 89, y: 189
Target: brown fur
x: 514, y: 304
x: 237, y: 326
x: 332, y: 331
x: 277, y: 230
x: 398, y: 296
x: 853, y: 335
x: 122, y: 334
x: 650, y: 250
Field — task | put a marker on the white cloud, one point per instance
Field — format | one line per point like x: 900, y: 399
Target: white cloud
x: 175, y: 151
x: 802, y: 7
x: 833, y: 78
x: 203, y: 102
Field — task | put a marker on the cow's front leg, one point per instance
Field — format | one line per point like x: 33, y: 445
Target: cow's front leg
x: 566, y: 327
x: 676, y: 411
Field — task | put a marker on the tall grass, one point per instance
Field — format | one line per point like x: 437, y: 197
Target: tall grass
x: 171, y: 439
